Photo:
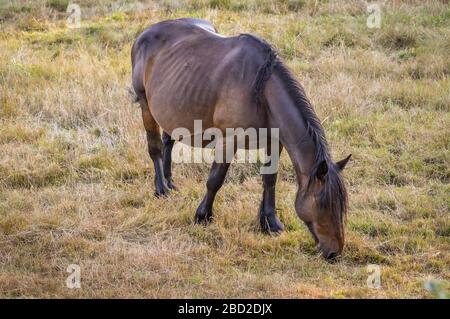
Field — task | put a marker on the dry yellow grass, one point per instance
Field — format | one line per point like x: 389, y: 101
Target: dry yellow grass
x: 76, y: 182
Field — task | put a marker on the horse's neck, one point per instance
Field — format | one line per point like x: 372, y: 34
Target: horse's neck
x: 293, y: 132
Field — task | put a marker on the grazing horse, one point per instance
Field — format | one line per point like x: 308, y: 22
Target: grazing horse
x: 183, y: 70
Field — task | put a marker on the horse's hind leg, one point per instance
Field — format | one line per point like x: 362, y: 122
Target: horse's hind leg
x: 154, y: 149
x: 167, y: 159
x: 267, y: 212
x: 215, y: 182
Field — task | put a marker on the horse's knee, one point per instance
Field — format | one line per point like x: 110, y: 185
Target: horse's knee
x: 167, y: 140
x: 154, y: 152
x: 213, y: 184
x: 154, y: 145
x: 269, y: 180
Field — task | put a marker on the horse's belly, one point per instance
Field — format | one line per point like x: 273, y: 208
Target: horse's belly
x: 181, y: 105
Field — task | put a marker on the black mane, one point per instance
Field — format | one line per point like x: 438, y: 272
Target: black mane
x: 334, y: 194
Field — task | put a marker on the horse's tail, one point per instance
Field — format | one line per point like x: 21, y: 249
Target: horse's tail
x: 265, y: 70
x: 133, y: 94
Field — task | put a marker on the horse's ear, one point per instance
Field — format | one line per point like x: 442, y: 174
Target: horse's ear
x: 322, y: 170
x: 342, y: 163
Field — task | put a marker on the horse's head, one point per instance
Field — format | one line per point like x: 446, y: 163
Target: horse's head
x: 322, y: 205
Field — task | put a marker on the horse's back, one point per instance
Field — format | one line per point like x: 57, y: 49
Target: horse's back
x: 201, y: 75
x: 153, y: 39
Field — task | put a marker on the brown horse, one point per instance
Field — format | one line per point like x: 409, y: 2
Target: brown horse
x: 184, y: 71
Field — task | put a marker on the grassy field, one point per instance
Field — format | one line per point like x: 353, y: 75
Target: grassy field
x: 76, y: 182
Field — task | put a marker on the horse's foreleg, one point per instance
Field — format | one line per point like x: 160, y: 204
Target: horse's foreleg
x: 215, y: 182
x: 267, y: 212
x: 167, y: 159
x: 154, y: 149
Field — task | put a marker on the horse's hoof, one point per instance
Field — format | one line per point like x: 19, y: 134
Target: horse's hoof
x: 202, y: 216
x: 271, y: 224
x: 203, y: 219
x: 171, y: 186
x: 162, y: 192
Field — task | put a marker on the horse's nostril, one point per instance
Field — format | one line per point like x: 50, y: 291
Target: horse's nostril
x: 331, y: 255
